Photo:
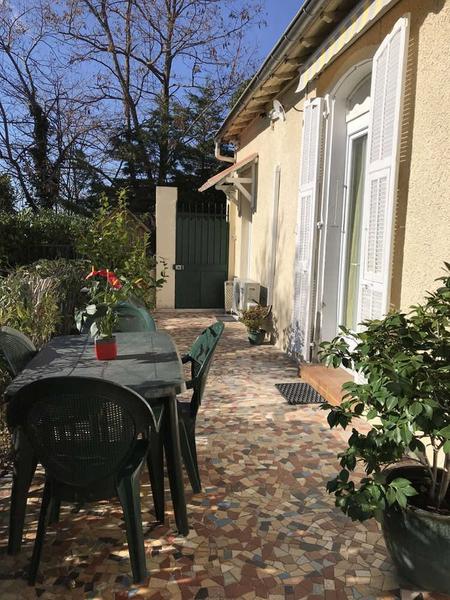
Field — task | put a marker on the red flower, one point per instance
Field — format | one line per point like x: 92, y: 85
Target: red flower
x: 111, y: 277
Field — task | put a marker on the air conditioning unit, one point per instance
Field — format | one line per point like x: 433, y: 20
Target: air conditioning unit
x: 228, y: 296
x: 245, y: 292
x: 235, y: 301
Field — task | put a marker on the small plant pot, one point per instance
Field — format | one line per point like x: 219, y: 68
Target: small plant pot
x: 106, y: 348
x: 256, y: 338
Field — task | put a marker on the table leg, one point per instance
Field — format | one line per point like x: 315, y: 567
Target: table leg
x: 23, y: 471
x: 171, y: 436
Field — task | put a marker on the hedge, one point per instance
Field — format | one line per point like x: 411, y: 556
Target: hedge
x: 26, y: 237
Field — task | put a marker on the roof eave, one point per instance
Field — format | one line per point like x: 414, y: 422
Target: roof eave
x: 280, y: 59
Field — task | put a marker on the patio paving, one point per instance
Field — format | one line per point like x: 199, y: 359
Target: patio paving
x: 263, y: 528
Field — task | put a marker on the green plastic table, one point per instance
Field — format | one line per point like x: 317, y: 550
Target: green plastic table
x: 147, y: 362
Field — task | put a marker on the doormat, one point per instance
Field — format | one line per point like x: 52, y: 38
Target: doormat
x: 299, y: 393
x: 226, y: 318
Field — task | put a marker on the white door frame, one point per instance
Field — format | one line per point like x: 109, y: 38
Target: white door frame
x: 331, y: 209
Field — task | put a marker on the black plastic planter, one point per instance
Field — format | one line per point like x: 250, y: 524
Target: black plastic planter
x: 256, y: 337
x: 418, y: 542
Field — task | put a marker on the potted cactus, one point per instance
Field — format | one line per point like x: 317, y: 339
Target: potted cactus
x: 404, y: 361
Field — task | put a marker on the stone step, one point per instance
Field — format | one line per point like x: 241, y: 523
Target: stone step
x: 328, y: 382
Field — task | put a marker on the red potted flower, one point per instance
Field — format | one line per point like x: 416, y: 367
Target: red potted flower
x: 106, y: 292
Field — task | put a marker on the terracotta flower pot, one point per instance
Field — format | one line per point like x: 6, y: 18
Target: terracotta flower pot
x: 106, y: 348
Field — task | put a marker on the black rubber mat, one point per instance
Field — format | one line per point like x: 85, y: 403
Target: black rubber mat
x: 299, y: 393
x: 226, y: 318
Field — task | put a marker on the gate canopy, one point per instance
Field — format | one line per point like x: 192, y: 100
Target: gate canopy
x: 231, y: 180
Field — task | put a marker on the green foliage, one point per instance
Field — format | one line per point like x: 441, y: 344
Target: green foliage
x: 254, y: 318
x: 40, y: 299
x: 68, y: 278
x: 6, y: 194
x: 106, y: 291
x: 29, y: 303
x: 26, y: 236
x: 116, y: 242
x: 405, y: 362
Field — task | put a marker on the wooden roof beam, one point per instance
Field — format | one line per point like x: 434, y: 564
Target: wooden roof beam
x: 262, y: 99
x: 310, y: 41
x: 282, y: 76
x: 332, y: 16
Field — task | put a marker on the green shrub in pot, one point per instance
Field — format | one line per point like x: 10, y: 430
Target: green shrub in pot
x: 254, y: 318
x: 404, y: 360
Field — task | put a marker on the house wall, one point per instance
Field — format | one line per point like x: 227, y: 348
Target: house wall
x: 421, y: 237
x: 427, y: 226
x: 278, y: 145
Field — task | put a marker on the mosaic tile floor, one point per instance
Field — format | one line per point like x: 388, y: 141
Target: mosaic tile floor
x: 263, y: 528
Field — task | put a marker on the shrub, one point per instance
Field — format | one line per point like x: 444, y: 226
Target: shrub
x: 115, y: 242
x: 28, y: 303
x: 405, y: 362
x: 26, y: 237
x: 255, y: 317
x: 68, y: 279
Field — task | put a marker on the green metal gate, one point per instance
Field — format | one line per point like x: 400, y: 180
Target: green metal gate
x: 201, y: 254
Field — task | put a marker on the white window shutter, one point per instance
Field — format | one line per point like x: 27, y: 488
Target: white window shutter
x: 310, y: 172
x: 388, y: 72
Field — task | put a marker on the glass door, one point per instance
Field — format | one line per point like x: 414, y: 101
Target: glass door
x: 353, y: 232
x: 352, y: 226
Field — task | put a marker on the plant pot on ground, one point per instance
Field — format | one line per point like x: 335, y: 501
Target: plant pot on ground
x: 404, y: 360
x: 416, y: 536
x: 255, y: 319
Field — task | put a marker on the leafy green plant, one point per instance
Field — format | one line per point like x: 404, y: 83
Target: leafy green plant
x: 28, y: 303
x: 68, y: 276
x: 404, y: 360
x: 106, y: 290
x: 42, y: 235
x: 115, y: 241
x: 254, y: 317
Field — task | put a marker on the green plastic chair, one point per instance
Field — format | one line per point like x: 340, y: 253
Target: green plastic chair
x: 134, y: 318
x: 92, y: 438
x: 17, y: 349
x: 200, y: 356
x: 131, y: 318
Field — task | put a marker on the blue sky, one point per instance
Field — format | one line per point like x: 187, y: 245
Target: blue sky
x: 279, y: 14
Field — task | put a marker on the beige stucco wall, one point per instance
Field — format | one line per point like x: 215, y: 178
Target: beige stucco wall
x: 427, y: 226
x: 166, y: 223
x: 422, y: 223
x: 277, y: 145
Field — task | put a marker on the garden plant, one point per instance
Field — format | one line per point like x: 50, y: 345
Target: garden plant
x: 113, y: 242
x: 403, y: 362
x: 255, y: 318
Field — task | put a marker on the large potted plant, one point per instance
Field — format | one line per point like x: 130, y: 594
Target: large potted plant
x: 254, y: 318
x: 404, y: 394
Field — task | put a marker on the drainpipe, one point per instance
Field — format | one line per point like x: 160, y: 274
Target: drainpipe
x: 222, y: 157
